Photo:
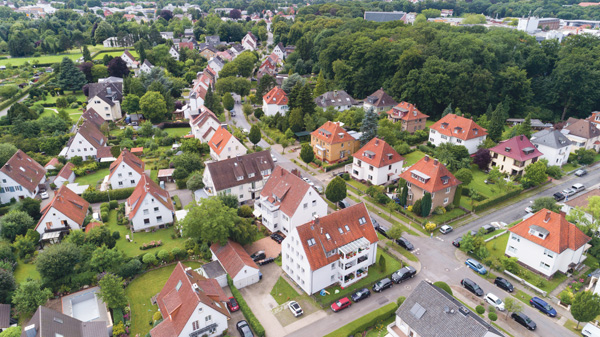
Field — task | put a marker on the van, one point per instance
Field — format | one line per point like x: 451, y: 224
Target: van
x: 578, y: 187
x: 590, y: 330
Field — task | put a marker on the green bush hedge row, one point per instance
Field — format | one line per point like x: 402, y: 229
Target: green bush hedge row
x: 494, y: 201
x: 258, y: 329
x: 355, y: 327
x: 22, y: 94
x: 103, y: 196
x: 117, y: 316
x: 338, y: 165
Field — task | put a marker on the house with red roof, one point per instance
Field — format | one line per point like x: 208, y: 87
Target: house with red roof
x: 431, y: 176
x: 65, y: 212
x: 457, y: 130
x: 338, y: 248
x: 250, y: 42
x: 204, y: 125
x: 546, y: 243
x: 236, y: 262
x: 88, y: 142
x: 287, y: 201
x: 376, y: 162
x: 513, y: 155
x: 66, y: 175
x: 191, y: 305
x: 409, y: 116
x: 269, y: 66
x: 130, y: 60
x: 275, y: 101
x: 224, y: 145
x: 380, y: 101
x: 149, y: 206
x: 126, y: 171
x: 331, y: 143
x: 20, y: 178
x: 52, y: 164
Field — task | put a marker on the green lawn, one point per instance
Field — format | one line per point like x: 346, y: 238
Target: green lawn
x: 114, y: 54
x: 429, y: 123
x: 19, y: 61
x: 569, y: 167
x: 357, y: 185
x: 177, y: 132
x: 92, y: 179
x: 523, y: 296
x: 282, y: 291
x: 479, y: 184
x: 438, y: 219
x: 49, y: 99
x: 25, y: 271
x: 48, y: 113
x: 140, y: 291
x: 413, y: 157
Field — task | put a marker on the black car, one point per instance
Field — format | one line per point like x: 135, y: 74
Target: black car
x: 361, y: 295
x: 524, y: 320
x: 375, y: 223
x: 472, y: 286
x: 244, y: 329
x: 558, y: 196
x: 382, y: 231
x: 260, y: 255
x: 456, y: 242
x: 403, y: 274
x: 503, y: 283
x: 343, y: 204
x: 278, y: 237
x: 382, y: 285
x: 404, y: 243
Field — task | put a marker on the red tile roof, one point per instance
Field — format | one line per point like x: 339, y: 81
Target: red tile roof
x: 24, y: 170
x: 331, y: 133
x: 378, y: 153
x: 595, y: 117
x: 66, y: 171
x: 459, y: 127
x: 188, y: 45
x: 92, y: 225
x: 562, y: 235
x: 68, y: 203
x: 429, y: 174
x: 285, y: 189
x: 204, y: 115
x: 406, y: 111
x: 518, y: 148
x: 232, y: 257
x: 129, y: 159
x: 276, y: 96
x: 219, y: 140
x: 53, y: 162
x: 331, y: 225
x: 147, y: 186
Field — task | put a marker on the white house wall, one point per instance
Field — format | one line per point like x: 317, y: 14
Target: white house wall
x: 149, y: 205
x: 247, y: 276
x: 109, y: 113
x: 555, y: 157
x: 56, y: 217
x: 201, y: 314
x: 437, y: 138
x: 273, y: 109
x: 18, y: 190
x: 232, y: 149
x: 81, y: 147
x: 378, y: 176
x: 59, y: 181
x: 129, y: 177
x: 304, y: 215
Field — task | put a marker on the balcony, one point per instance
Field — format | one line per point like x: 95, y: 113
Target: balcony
x: 352, y: 277
x: 354, y: 249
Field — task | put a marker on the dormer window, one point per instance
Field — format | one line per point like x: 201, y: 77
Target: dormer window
x: 311, y: 242
x: 362, y: 221
x: 239, y: 178
x: 327, y: 236
x: 539, y: 232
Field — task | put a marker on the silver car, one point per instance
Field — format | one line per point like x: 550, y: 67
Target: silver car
x: 295, y: 308
x: 568, y: 192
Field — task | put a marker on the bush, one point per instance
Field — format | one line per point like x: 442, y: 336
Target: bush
x: 480, y: 309
x: 104, y: 216
x: 492, y: 316
x: 93, y: 196
x: 444, y: 286
x: 400, y: 300
x: 491, y: 309
x: 74, y: 105
x: 149, y: 258
x: 179, y: 253
x: 164, y: 256
x: 118, y: 316
x: 494, y: 201
x: 566, y: 297
x: 245, y: 211
x: 116, y: 235
x: 258, y: 329
x: 113, y: 204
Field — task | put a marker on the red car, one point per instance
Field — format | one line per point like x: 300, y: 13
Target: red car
x: 340, y: 304
x: 232, y: 304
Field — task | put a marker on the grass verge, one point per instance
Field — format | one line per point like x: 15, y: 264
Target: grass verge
x: 410, y: 256
x: 282, y: 291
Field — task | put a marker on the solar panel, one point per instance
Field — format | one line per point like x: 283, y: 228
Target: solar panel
x: 417, y: 310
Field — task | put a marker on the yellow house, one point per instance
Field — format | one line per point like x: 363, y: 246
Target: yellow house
x: 513, y: 155
x: 332, y: 144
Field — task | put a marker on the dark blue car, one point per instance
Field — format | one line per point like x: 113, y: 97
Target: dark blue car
x: 542, y: 306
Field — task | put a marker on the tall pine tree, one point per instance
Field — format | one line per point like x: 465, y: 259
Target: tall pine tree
x: 70, y: 77
x: 497, y: 123
x: 305, y: 98
x: 209, y: 100
x: 369, y: 127
x: 86, y: 54
x: 294, y: 96
x: 321, y: 86
x: 448, y: 110
x: 142, y: 53
x: 525, y: 127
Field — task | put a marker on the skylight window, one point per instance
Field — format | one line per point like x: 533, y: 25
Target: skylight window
x: 178, y: 285
x: 311, y: 242
x: 328, y: 236
x: 347, y: 228
x: 340, y: 230
x: 362, y: 221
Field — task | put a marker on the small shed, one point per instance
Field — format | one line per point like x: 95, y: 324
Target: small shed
x: 215, y: 271
x: 166, y: 175
x: 138, y: 151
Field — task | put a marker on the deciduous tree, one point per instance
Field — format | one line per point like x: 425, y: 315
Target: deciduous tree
x: 210, y: 221
x: 586, y: 306
x: 336, y: 190
x: 57, y: 262
x: 153, y: 106
x: 112, y: 291
x: 29, y: 296
x: 254, y: 135
x: 117, y: 67
x: 306, y: 153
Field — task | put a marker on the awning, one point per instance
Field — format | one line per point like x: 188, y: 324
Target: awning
x: 50, y: 236
x: 354, y: 245
x: 256, y: 213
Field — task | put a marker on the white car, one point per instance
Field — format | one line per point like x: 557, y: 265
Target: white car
x: 295, y: 308
x: 308, y: 181
x: 45, y: 195
x: 494, y: 301
x: 445, y: 229
x: 274, y: 158
x: 245, y: 131
x: 529, y: 209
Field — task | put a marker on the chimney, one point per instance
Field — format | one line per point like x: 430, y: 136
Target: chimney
x: 547, y: 218
x: 426, y: 158
x: 295, y: 172
x: 562, y: 214
x: 435, y: 162
x: 316, y: 222
x: 376, y: 141
x: 335, y: 93
x: 521, y: 137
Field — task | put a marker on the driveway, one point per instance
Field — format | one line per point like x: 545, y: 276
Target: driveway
x: 235, y: 316
x: 186, y: 196
x: 268, y: 245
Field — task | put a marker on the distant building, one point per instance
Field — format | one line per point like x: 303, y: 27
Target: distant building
x: 237, y: 263
x: 275, y: 101
x: 130, y: 60
x: 88, y: 143
x: 66, y: 175
x: 146, y: 67
x: 380, y: 101
x: 583, y: 133
x: 105, y: 98
x: 409, y: 116
x: 204, y: 125
x: 250, y: 42
x: 213, y: 40
x: 553, y: 145
x: 385, y: 16
x: 223, y: 145
x: 279, y: 50
x: 174, y: 53
x: 536, y: 124
x: 126, y: 171
x: 338, y: 99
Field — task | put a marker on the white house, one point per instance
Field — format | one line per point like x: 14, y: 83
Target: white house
x: 130, y: 60
x: 379, y: 101
x: 546, y: 243
x: 237, y: 263
x: 105, y: 98
x: 20, y: 178
x: 583, y: 133
x: 174, y: 53
x: 287, y: 201
x: 149, y: 206
x: 216, y: 63
x: 204, y: 125
x: 224, y: 145
x: 88, y: 142
x: 66, y: 175
x: 126, y: 171
x: 457, y: 130
x: 250, y: 42
x: 146, y: 67
x: 279, y: 50
x: 338, y: 248
x: 191, y: 305
x: 242, y: 176
x: 554, y: 146
x: 376, y: 162
x: 65, y: 212
x: 275, y: 101
x: 126, y: 41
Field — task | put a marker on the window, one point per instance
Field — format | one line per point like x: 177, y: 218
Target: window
x: 208, y: 318
x: 347, y: 228
x: 305, y: 205
x: 548, y: 253
x: 512, y: 249
x: 146, y: 221
x: 314, y: 203
x: 340, y: 230
x: 516, y: 238
x: 146, y: 212
x: 332, y: 266
x: 362, y: 220
x: 132, y: 182
x: 311, y: 242
x: 155, y: 209
x: 448, y: 190
x: 195, y: 325
x: 120, y: 183
x: 159, y: 219
x: 544, y: 265
x: 445, y: 201
x: 332, y: 278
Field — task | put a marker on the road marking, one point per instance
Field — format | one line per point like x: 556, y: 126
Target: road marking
x: 437, y: 237
x: 457, y: 268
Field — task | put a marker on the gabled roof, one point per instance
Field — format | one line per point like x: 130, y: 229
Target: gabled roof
x: 247, y: 168
x: 406, y: 111
x: 233, y: 257
x: 594, y: 117
x: 276, y: 96
x: 583, y: 128
x: 66, y: 171
x: 54, y: 323
x: 68, y: 203
x: 183, y: 292
x: 519, y: 148
x: 92, y: 225
x: 429, y: 175
x: 334, y: 98
x: 331, y: 133
x: 24, y: 170
x: 380, y: 99
x: 209, y: 48
x: 323, y: 235
x: 144, y: 187
x: 250, y: 35
x: 94, y: 117
x: 148, y: 64
x: 285, y: 189
x: 188, y: 45
x: 128, y: 55
x: 92, y: 134
x: 551, y: 138
x: 204, y: 115
x: 107, y: 91
x: 459, y: 127
x: 53, y: 162
x: 129, y: 159
x: 562, y: 235
x: 220, y: 139
x: 378, y: 152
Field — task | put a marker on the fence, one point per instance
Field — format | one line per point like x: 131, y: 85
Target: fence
x: 522, y: 281
x: 495, y: 236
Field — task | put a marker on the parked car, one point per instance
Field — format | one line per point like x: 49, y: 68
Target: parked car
x: 590, y: 330
x: 476, y: 266
x: 44, y: 195
x: 308, y: 181
x: 445, y: 229
x: 232, y: 304
x: 524, y: 320
x: 343, y: 204
x: 503, y: 283
x: 259, y: 255
x: 487, y: 229
x: 580, y: 173
x: 529, y: 209
x: 244, y: 329
x: 278, y: 237
x: 274, y: 158
x: 295, y: 308
x: 456, y: 242
x: 341, y: 304
x: 558, y: 196
x: 232, y: 113
x: 361, y: 295
x: 374, y: 222
x: 382, y: 231
x: 494, y: 301
x: 542, y: 306
x: 578, y: 187
x: 382, y: 285
x: 471, y: 286
x: 403, y: 274
x: 568, y: 192
x: 404, y: 243
x: 319, y: 189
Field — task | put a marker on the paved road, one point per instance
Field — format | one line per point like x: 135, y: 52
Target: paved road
x: 5, y: 111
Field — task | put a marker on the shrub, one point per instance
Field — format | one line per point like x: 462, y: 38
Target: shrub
x: 566, y: 297
x: 157, y: 315
x: 491, y: 309
x: 114, y: 204
x: 93, y: 196
x: 117, y: 316
x: 492, y: 316
x: 179, y: 253
x: 104, y: 216
x: 346, y: 176
x: 480, y: 309
x: 149, y: 258
x: 444, y: 286
x: 365, y: 322
x: 245, y: 211
x: 74, y: 105
x: 400, y: 300
x: 164, y: 256
x: 116, y: 235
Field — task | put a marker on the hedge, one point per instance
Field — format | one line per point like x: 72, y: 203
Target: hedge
x: 22, y: 94
x: 103, y: 196
x: 117, y: 316
x: 494, y: 201
x: 258, y: 329
x: 355, y: 327
x: 337, y: 165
